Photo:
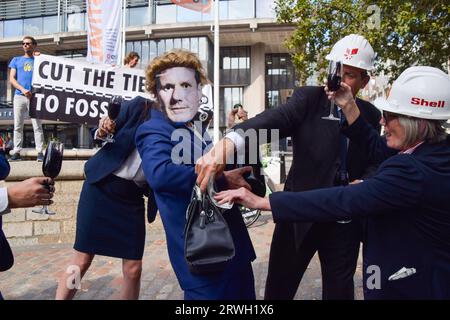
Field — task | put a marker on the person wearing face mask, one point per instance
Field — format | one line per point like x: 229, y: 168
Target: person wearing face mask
x: 175, y: 79
x: 322, y: 157
x: 406, y: 252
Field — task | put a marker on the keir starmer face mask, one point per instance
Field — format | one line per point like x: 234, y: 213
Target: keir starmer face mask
x: 179, y: 93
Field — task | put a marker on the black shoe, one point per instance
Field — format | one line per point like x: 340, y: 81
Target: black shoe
x: 15, y: 157
x: 40, y: 157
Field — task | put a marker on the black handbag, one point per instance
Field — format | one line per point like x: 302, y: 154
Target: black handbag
x: 208, y: 244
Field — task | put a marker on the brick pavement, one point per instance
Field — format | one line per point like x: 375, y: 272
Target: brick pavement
x: 37, y: 268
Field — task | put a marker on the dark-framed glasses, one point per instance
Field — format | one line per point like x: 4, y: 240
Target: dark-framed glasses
x: 388, y: 116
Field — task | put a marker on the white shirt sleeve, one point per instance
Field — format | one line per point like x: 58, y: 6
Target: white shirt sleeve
x: 237, y: 140
x: 4, y: 209
x: 96, y: 137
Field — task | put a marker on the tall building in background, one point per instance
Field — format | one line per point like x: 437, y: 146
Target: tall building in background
x: 255, y: 68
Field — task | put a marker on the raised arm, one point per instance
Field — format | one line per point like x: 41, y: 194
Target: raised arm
x: 395, y: 188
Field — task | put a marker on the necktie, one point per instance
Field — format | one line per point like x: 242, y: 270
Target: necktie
x: 343, y: 173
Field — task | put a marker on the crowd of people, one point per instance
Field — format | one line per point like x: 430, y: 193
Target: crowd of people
x: 347, y: 184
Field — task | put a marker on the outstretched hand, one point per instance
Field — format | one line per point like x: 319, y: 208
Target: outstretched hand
x: 213, y: 162
x: 235, y: 178
x: 244, y: 197
x: 31, y: 192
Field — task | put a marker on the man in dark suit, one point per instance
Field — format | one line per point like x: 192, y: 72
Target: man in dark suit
x: 322, y: 157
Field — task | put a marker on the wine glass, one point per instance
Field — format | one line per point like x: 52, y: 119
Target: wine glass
x: 113, y: 113
x: 334, y: 79
x: 51, y: 166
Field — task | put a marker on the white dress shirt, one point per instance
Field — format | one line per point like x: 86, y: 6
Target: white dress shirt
x: 4, y: 209
x: 131, y: 169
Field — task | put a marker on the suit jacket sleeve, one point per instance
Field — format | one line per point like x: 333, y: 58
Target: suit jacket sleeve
x: 369, y: 139
x: 122, y: 118
x: 4, y: 166
x: 154, y: 144
x: 285, y: 118
x: 395, y: 188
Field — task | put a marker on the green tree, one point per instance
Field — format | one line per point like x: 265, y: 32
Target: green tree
x: 405, y: 32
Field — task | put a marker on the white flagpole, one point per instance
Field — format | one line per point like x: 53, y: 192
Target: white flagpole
x: 216, y: 72
x: 124, y: 9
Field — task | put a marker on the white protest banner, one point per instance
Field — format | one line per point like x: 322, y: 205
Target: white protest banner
x: 73, y: 91
x: 104, y: 18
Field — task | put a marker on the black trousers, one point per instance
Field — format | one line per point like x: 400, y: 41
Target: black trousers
x: 338, y: 248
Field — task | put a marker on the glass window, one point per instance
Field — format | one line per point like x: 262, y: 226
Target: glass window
x: 194, y: 45
x: 75, y: 22
x: 280, y: 78
x: 32, y: 26
x: 129, y: 47
x: 153, y: 51
x: 272, y: 96
x: 166, y: 13
x: 13, y: 28
x: 187, y: 15
x: 169, y: 44
x: 240, y: 9
x: 230, y: 96
x: 226, y: 63
x: 203, y: 49
x: 138, y: 16
x: 223, y: 11
x: 265, y: 9
x: 138, y: 48
x: 161, y: 47
x: 145, y: 54
x: 185, y: 43
x: 50, y: 24
x: 1, y: 29
x: 177, y: 43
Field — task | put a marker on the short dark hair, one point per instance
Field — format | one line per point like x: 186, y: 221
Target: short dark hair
x: 33, y: 40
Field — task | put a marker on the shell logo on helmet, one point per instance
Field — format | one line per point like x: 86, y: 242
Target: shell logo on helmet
x: 426, y: 103
x: 349, y: 53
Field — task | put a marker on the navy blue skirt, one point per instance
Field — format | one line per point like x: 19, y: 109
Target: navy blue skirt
x: 111, y: 219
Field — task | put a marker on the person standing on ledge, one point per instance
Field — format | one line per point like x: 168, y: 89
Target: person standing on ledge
x: 20, y: 76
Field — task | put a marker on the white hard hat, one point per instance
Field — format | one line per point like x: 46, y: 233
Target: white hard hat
x: 420, y: 92
x: 353, y: 50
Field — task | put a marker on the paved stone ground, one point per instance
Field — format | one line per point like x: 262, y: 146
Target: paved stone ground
x: 37, y: 268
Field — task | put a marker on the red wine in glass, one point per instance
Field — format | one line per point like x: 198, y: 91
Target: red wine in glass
x: 51, y: 166
x: 113, y: 112
x: 334, y: 78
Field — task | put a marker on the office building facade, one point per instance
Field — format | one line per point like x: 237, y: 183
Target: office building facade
x: 255, y: 68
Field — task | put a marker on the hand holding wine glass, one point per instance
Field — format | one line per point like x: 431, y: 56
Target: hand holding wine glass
x: 51, y: 166
x: 113, y: 112
x: 334, y: 79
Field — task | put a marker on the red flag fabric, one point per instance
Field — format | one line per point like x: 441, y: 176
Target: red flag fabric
x: 197, y: 5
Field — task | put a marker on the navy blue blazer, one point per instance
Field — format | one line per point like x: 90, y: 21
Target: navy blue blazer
x: 6, y: 256
x: 112, y: 155
x: 172, y: 182
x: 408, y: 213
